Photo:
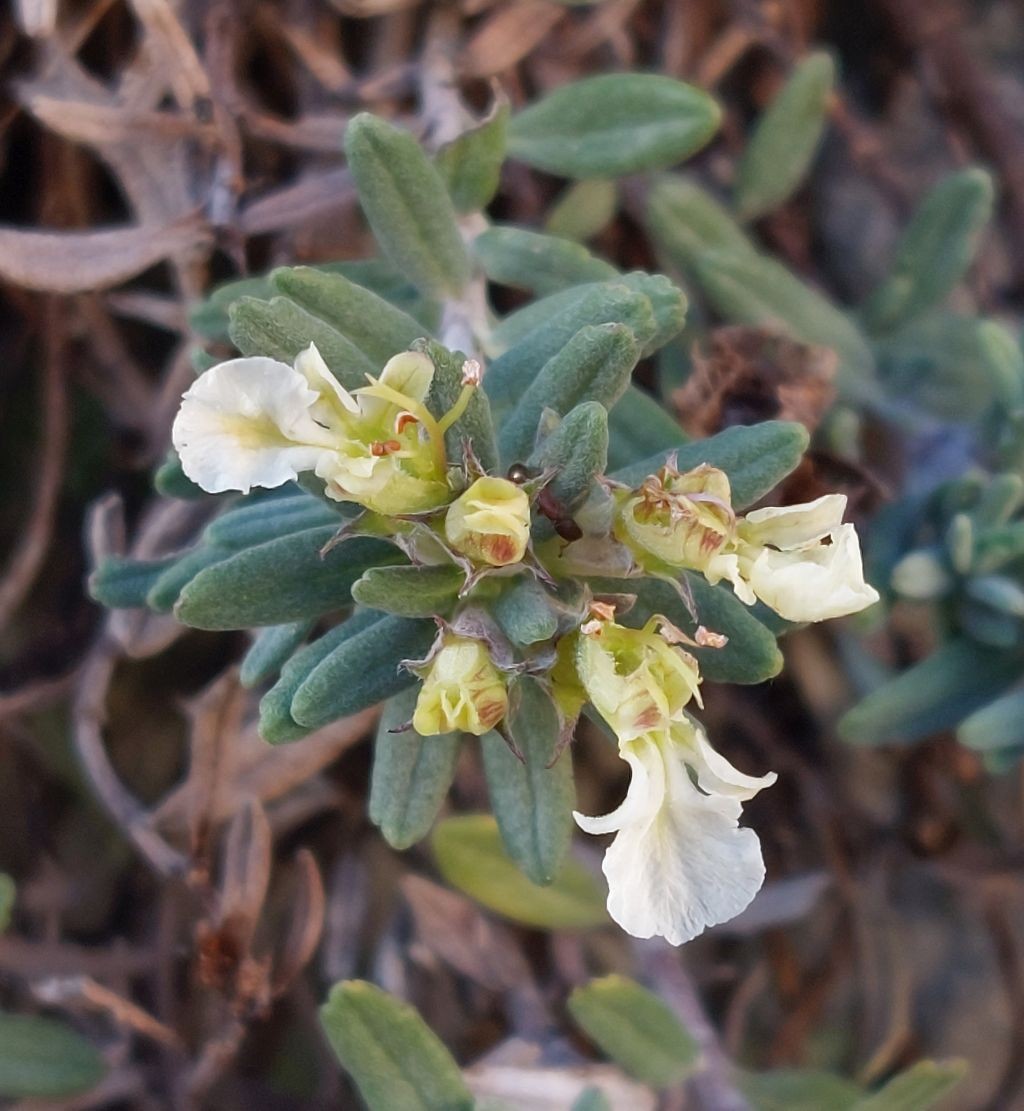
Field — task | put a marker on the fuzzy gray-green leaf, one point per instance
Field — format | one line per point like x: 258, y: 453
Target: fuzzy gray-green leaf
x: 577, y: 452
x: 411, y: 774
x: 539, y: 263
x: 787, y: 135
x: 595, y: 365
x: 686, y: 222
x: 614, y: 124
x: 271, y: 649
x: 406, y: 204
x: 43, y: 1058
x: 470, y: 165
x: 410, y: 591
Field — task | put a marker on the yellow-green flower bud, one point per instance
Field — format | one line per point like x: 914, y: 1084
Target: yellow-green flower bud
x: 683, y: 520
x: 490, y: 522
x: 463, y: 691
x: 637, y: 681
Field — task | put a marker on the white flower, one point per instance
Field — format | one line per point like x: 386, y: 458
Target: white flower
x: 679, y: 862
x: 258, y: 422
x: 784, y: 559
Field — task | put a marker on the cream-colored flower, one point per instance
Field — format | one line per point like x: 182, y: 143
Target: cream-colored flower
x: 490, y: 522
x: 463, y: 690
x: 635, y: 678
x: 680, y: 861
x: 258, y: 422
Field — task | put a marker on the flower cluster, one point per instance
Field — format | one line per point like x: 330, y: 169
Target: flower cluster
x: 680, y: 861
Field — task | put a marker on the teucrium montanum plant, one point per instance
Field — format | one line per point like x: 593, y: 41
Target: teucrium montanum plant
x: 523, y: 534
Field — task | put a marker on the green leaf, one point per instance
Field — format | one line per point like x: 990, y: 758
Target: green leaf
x: 538, y: 333
x: 935, y: 251
x: 686, y: 222
x: 745, y: 288
x: 583, y: 210
x: 668, y: 303
x: 539, y: 263
x: 751, y: 656
x: 591, y: 1099
x: 636, y: 1029
x: 271, y: 649
x: 798, y: 1090
x: 998, y: 725
x: 786, y: 137
x: 614, y: 124
x: 476, y: 425
x: 595, y: 365
x: 121, y: 582
x: 471, y: 857
x: 756, y: 457
x: 8, y: 892
x: 361, y: 670
x: 916, y: 1089
x: 577, y: 453
x: 410, y: 591
x: 937, y: 693
x: 280, y: 329
x: 375, y: 326
x: 411, y: 774
x: 637, y: 426
x: 281, y: 581
x: 406, y: 204
x: 396, y: 1060
x: 470, y: 165
x: 171, y: 481
x: 252, y: 523
x: 209, y: 319
x: 166, y: 591
x: 276, y: 722
x: 1003, y: 359
x: 532, y: 798
x: 525, y: 612
x: 42, y: 1058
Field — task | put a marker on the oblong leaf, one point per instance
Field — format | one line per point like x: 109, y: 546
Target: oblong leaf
x: 256, y: 522
x: 636, y: 1029
x: 614, y: 124
x: 166, y: 591
x: 120, y: 582
x: 526, y: 612
x: 756, y: 457
x: 577, y: 453
x: 396, y: 1060
x: 470, y: 165
x: 1000, y: 724
x: 411, y: 774
x: 638, y: 426
x: 410, y: 591
x: 937, y: 693
x: 532, y: 797
x: 406, y: 204
x: 281, y: 581
x: 583, y: 210
x: 362, y: 670
x: 595, y: 365
x: 540, y: 263
x: 686, y: 222
x: 271, y: 649
x: 471, y: 857
x: 918, y: 1088
x: 935, y: 251
x: 42, y: 1058
x: 786, y: 137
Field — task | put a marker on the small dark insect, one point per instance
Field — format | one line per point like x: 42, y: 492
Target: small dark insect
x: 547, y: 503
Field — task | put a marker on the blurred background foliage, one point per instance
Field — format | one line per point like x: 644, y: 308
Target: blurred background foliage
x: 852, y: 242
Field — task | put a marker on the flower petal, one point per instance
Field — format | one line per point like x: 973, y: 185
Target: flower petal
x: 715, y: 775
x: 410, y: 373
x: 310, y: 364
x: 245, y: 423
x: 794, y: 526
x: 644, y: 797
x: 685, y: 867
x: 814, y: 584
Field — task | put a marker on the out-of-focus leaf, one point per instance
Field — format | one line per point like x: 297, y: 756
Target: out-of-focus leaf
x: 637, y: 426
x: 686, y: 222
x: 786, y: 137
x: 614, y: 124
x: 540, y: 263
x: 532, y: 797
x: 1003, y: 358
x: 798, y: 1090
x: 935, y: 251
x: 470, y: 165
x: 471, y: 857
x: 583, y: 210
x: 8, y: 891
x: 636, y: 1029
x: 756, y: 457
x: 411, y: 774
x: 396, y: 1060
x: 42, y: 1058
x: 171, y: 481
x: 595, y: 365
x: 121, y: 582
x: 937, y: 693
x: 407, y: 205
x: 998, y: 725
x: 918, y: 1088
